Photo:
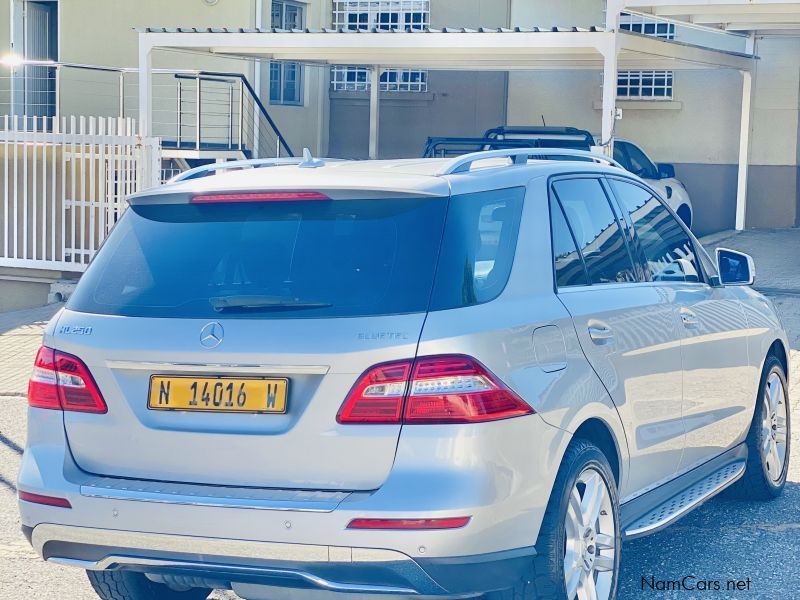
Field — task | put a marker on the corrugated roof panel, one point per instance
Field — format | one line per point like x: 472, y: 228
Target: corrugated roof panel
x: 533, y: 29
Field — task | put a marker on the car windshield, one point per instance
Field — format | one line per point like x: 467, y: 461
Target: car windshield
x: 639, y: 163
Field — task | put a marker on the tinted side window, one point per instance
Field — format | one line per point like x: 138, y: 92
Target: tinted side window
x: 596, y: 230
x: 567, y: 260
x: 480, y: 239
x: 667, y: 248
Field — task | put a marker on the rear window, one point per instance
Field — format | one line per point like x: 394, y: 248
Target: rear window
x: 294, y: 259
x: 272, y: 260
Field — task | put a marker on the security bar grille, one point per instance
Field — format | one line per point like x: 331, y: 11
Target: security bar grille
x: 384, y: 15
x: 381, y: 14
x: 356, y: 79
x: 645, y: 85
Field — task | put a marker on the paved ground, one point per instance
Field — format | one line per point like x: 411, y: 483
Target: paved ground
x: 721, y: 541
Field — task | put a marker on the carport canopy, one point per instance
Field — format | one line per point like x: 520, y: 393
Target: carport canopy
x: 763, y: 16
x: 527, y: 49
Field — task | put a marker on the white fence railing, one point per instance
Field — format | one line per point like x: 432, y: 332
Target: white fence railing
x: 63, y: 184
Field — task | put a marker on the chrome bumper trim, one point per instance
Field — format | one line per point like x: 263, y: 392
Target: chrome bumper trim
x: 112, y: 488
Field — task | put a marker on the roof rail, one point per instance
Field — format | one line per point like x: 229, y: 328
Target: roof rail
x: 305, y: 161
x: 520, y: 156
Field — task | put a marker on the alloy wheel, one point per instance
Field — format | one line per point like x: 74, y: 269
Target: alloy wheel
x: 590, y: 548
x: 774, y: 427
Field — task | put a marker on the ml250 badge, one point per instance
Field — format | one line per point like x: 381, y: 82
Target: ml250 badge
x: 70, y: 330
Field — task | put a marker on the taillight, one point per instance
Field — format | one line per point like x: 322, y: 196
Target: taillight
x: 458, y: 389
x: 258, y: 197
x: 432, y: 389
x: 63, y: 382
x: 409, y: 524
x: 378, y: 395
x: 43, y: 384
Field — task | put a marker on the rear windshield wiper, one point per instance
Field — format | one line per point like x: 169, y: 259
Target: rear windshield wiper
x: 256, y: 302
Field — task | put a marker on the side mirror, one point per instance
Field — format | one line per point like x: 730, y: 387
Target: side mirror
x: 735, y: 268
x: 666, y: 171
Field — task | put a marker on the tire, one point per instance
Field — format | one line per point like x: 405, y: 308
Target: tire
x: 546, y: 578
x: 127, y: 585
x: 761, y: 479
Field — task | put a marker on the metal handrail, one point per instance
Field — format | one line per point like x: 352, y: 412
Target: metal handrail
x: 224, y: 77
x: 245, y: 87
x: 520, y: 156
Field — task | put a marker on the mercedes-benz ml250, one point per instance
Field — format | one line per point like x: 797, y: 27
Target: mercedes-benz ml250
x: 443, y: 377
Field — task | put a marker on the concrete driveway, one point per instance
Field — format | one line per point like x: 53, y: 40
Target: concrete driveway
x: 755, y: 545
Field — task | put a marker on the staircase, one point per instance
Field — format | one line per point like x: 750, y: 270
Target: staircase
x: 215, y: 117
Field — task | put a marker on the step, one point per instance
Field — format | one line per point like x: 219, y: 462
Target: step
x: 686, y: 501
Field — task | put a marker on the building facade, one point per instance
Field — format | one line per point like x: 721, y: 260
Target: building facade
x: 687, y: 118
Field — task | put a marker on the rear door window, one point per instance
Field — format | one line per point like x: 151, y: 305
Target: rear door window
x: 668, y: 250
x: 595, y: 229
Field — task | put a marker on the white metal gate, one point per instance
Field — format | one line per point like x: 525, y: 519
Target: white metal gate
x: 63, y: 184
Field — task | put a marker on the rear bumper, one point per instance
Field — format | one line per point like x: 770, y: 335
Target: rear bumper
x: 235, y: 564
x: 499, y: 474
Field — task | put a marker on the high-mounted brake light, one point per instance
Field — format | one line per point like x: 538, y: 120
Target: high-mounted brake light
x: 409, y: 524
x: 61, y: 381
x: 431, y: 389
x: 46, y: 500
x: 258, y: 197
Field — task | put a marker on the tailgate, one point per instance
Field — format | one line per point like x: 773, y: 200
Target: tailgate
x: 303, y: 447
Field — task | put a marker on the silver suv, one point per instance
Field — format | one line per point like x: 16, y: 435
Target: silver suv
x: 442, y: 377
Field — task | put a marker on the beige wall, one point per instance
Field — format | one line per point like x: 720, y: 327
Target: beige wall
x: 776, y: 101
x: 549, y: 13
x: 304, y: 126
x: 470, y: 13
x: 699, y: 130
x: 101, y: 32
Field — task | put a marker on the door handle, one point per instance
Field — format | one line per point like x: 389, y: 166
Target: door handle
x: 689, y: 319
x: 600, y: 333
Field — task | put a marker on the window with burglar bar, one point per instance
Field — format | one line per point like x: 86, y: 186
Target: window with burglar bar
x: 385, y: 15
x: 286, y: 78
x: 645, y: 85
x: 356, y: 79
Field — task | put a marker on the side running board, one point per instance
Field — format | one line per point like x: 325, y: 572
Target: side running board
x: 684, y: 502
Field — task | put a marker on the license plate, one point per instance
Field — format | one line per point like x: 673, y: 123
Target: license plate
x: 218, y: 394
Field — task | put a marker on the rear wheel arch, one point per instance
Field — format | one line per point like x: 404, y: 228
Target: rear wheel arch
x: 599, y: 433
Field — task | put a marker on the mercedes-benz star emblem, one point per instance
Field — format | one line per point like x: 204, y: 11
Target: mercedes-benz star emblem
x: 211, y: 335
